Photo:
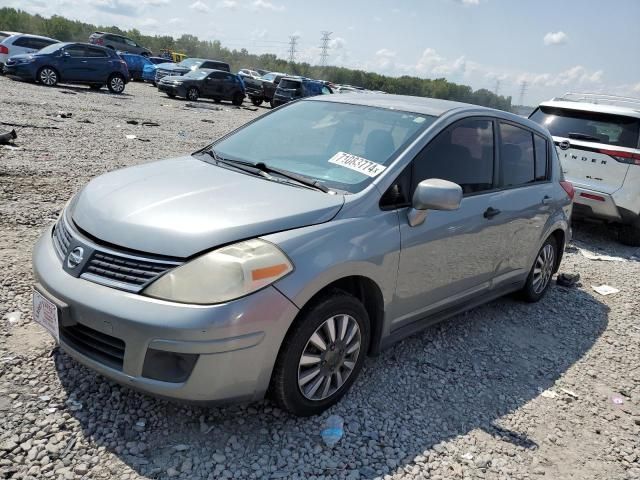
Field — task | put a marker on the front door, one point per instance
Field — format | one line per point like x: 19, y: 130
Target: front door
x: 74, y: 63
x: 452, y: 257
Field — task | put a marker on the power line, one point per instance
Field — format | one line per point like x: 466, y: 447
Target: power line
x: 293, y: 41
x: 324, y: 55
x: 497, y: 88
x: 523, y: 90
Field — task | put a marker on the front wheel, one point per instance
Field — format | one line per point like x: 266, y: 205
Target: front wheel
x: 540, y: 275
x: 322, y: 354
x: 48, y: 76
x: 193, y: 94
x: 116, y: 83
x: 257, y: 101
x: 630, y: 235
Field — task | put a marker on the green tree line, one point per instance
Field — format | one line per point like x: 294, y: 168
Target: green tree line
x: 64, y: 29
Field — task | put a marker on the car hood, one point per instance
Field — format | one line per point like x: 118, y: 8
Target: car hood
x: 183, y: 206
x: 174, y: 68
x: 171, y: 78
x: 23, y: 57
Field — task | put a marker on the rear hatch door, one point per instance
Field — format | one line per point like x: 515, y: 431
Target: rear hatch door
x: 592, y: 146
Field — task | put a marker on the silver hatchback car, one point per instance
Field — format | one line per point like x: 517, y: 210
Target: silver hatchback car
x: 280, y: 256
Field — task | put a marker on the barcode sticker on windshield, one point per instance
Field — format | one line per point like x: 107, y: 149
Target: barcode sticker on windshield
x: 359, y: 164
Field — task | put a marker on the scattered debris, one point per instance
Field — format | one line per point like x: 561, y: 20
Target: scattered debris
x: 132, y: 122
x: 130, y: 137
x: 85, y: 120
x: 467, y: 456
x: 60, y: 114
x: 333, y: 430
x: 6, y: 137
x: 150, y: 124
x: 569, y: 392
x: 251, y: 109
x: 11, y: 147
x: 68, y: 92
x: 44, y: 398
x: 605, y: 289
x: 597, y: 256
x: 20, y: 125
x: 181, y: 447
x: 549, y: 394
x: 568, y: 279
x: 13, y: 317
x: 617, y: 400
x: 208, y: 120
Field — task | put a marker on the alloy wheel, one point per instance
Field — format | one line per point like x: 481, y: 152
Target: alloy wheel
x: 48, y: 77
x: 543, y: 268
x: 329, y: 357
x: 192, y: 94
x: 117, y: 84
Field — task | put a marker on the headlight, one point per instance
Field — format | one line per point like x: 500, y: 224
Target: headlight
x: 221, y: 275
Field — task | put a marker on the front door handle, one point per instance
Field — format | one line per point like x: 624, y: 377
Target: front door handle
x: 546, y: 200
x: 491, y: 212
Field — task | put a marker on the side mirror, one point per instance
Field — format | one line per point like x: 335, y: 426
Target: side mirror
x: 433, y: 194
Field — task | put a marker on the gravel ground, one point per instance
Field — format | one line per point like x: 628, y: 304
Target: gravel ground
x: 463, y: 399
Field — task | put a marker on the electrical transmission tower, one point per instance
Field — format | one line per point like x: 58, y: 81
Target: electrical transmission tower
x: 293, y: 41
x: 497, y: 89
x: 523, y: 90
x: 324, y: 47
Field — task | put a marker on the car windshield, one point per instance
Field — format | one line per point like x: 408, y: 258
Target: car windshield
x: 269, y: 77
x: 196, y: 75
x: 51, y: 48
x: 589, y: 126
x: 341, y: 145
x: 190, y: 62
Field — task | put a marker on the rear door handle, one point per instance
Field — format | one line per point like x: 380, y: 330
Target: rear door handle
x: 491, y: 212
x: 547, y: 200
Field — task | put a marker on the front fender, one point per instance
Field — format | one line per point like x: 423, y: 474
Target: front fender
x: 324, y: 253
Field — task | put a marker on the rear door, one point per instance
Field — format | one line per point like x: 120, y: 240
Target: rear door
x: 214, y: 85
x: 586, y: 141
x: 98, y: 65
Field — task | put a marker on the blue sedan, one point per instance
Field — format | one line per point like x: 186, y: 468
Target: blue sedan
x: 149, y: 69
x: 71, y: 63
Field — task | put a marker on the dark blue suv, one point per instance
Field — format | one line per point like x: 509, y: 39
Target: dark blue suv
x: 71, y: 63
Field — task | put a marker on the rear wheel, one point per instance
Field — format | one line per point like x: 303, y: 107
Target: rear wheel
x: 238, y: 98
x: 116, y: 83
x: 48, y: 76
x: 630, y: 235
x: 171, y: 95
x: 272, y: 103
x: 193, y: 94
x: 322, y: 354
x: 540, y: 275
x: 257, y: 101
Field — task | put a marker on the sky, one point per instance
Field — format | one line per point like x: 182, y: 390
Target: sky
x: 548, y: 46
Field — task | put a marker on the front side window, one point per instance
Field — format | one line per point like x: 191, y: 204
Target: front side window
x: 517, y: 163
x: 131, y: 43
x: 332, y: 141
x: 462, y: 154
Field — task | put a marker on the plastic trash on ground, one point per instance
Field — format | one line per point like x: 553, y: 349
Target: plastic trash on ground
x: 605, y: 289
x: 333, y: 430
x: 567, y: 279
x: 6, y: 137
x: 597, y: 256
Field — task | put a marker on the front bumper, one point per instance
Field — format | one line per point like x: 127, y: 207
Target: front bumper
x: 20, y: 70
x: 236, y: 344
x: 177, y: 90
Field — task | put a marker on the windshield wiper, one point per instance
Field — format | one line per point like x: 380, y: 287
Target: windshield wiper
x: 261, y: 168
x: 244, y: 166
x: 584, y: 136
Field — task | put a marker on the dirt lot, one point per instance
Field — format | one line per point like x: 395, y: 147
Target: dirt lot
x: 506, y: 391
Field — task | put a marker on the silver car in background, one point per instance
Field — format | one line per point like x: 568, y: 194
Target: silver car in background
x: 280, y: 256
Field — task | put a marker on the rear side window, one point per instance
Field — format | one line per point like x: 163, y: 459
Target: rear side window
x: 462, y: 154
x: 541, y: 152
x: 96, y: 52
x: 589, y: 126
x: 517, y: 157
x: 28, y: 42
x: 76, y: 50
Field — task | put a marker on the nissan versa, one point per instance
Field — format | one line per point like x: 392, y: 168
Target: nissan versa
x: 280, y: 256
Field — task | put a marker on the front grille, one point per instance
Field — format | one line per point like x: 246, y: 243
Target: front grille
x: 61, y: 238
x: 125, y: 272
x: 163, y: 73
x: 96, y: 345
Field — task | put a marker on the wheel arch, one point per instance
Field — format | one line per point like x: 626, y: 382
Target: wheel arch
x: 52, y: 68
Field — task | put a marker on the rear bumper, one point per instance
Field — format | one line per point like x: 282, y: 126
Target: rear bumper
x: 593, y: 204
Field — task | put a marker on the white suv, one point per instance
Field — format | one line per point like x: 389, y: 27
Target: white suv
x: 597, y: 138
x: 12, y: 43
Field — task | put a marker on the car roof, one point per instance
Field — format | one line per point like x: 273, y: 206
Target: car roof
x: 406, y: 103
x: 594, y: 107
x: 29, y: 35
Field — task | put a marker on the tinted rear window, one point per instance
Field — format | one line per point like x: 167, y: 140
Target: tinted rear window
x: 589, y: 126
x: 292, y: 84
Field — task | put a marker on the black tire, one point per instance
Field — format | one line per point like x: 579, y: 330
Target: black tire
x: 95, y: 87
x: 237, y: 100
x: 257, y: 101
x: 116, y: 83
x: 154, y: 84
x: 285, y: 389
x: 171, y: 95
x: 216, y: 100
x: 533, y: 290
x: 272, y: 103
x: 629, y: 235
x: 193, y: 94
x: 48, y: 76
